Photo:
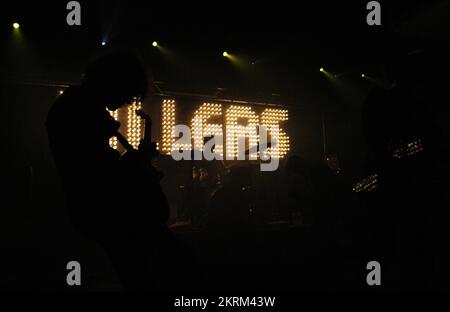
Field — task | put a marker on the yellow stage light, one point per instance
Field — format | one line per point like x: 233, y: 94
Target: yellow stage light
x: 225, y: 54
x: 155, y: 44
x: 367, y: 185
x: 16, y: 25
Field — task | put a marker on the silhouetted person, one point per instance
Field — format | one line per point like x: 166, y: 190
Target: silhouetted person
x: 317, y: 187
x: 229, y: 204
x: 317, y: 191
x: 108, y: 200
x: 403, y: 150
x: 193, y: 201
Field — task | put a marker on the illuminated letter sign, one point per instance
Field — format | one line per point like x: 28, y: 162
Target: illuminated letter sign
x: 201, y: 129
x: 241, y: 124
x: 238, y: 133
x: 242, y: 127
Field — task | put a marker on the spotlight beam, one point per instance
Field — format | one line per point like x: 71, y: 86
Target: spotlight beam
x: 327, y: 73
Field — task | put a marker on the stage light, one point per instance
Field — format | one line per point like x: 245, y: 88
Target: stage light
x: 16, y: 25
x: 225, y: 54
x: 103, y: 43
x: 367, y: 185
x: 409, y: 149
x: 155, y: 44
x: 363, y: 76
x: 329, y: 75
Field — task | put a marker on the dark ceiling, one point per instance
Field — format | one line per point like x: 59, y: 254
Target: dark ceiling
x: 287, y: 42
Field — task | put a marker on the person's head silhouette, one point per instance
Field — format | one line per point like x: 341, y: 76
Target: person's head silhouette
x: 115, y: 79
